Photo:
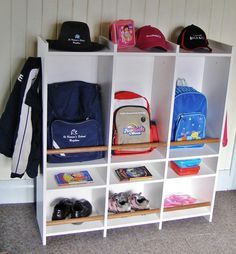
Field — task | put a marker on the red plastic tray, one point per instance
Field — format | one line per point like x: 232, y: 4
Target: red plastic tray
x: 184, y: 171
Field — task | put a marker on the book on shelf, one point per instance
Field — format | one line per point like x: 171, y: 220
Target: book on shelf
x: 80, y: 177
x: 133, y: 174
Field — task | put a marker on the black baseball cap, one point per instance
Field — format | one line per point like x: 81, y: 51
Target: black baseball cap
x: 193, y: 38
x: 74, y: 36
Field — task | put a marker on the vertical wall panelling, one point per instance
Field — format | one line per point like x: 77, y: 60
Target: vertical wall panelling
x: 164, y: 17
x: 191, y: 12
x: 177, y: 18
x: 216, y: 19
x: 204, y: 14
x: 80, y: 10
x: 151, y: 12
x: 21, y: 21
x: 108, y: 15
x: 138, y: 11
x: 5, y: 71
x: 123, y: 9
x: 94, y: 17
x: 64, y: 12
x: 34, y: 25
x: 5, y: 51
x: 18, y: 37
x: 229, y: 36
x: 49, y: 19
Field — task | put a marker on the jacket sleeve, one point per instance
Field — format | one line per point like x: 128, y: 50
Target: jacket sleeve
x: 9, y: 121
x: 34, y: 100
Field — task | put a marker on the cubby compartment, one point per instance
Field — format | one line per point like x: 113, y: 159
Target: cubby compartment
x: 151, y: 191
x: 208, y: 167
x: 207, y: 74
x: 150, y: 76
x: 93, y: 68
x: 156, y: 169
x: 95, y: 196
x: 201, y: 189
x: 98, y: 174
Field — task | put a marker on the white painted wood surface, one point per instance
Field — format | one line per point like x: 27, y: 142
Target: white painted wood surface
x: 21, y: 21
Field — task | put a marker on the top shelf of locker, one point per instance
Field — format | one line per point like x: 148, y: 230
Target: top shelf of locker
x: 44, y: 49
x: 218, y: 49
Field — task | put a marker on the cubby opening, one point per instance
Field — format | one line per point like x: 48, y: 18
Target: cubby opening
x: 208, y: 75
x: 208, y: 168
x: 98, y: 174
x: 156, y: 169
x: 88, y: 68
x: 199, y: 188
x: 96, y: 197
x: 151, y: 191
x: 151, y: 77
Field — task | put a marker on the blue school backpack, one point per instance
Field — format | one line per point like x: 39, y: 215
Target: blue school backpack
x: 74, y: 120
x: 189, y: 116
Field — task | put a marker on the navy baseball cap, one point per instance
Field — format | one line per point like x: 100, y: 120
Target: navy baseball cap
x: 193, y: 38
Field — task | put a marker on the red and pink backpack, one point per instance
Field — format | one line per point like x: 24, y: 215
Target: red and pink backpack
x: 132, y: 122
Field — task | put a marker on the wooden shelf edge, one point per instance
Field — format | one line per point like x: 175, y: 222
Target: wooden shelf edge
x: 129, y: 146
x: 196, y: 205
x: 132, y: 214
x: 126, y: 215
x: 75, y: 220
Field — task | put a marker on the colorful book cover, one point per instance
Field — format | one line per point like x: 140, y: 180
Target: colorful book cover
x: 73, y: 178
x: 133, y: 174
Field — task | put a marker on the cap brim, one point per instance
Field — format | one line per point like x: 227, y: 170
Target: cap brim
x: 63, y: 46
x: 202, y: 49
x: 153, y: 46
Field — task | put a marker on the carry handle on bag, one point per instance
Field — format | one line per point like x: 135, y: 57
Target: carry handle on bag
x: 122, y: 33
x: 132, y: 123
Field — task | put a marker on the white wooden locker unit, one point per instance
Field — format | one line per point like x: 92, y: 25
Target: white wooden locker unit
x: 153, y: 75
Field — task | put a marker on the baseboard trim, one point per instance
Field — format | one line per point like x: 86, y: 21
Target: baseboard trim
x: 17, y: 191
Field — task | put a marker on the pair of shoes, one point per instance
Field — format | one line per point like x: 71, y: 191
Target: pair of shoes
x: 125, y: 202
x: 67, y: 208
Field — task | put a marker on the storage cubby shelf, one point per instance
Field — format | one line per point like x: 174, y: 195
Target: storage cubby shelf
x: 128, y: 214
x: 152, y: 74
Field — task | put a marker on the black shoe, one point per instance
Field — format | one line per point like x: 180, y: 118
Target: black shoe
x: 62, y: 209
x: 81, y: 208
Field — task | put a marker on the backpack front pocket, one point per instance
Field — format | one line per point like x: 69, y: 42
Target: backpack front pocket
x: 190, y: 126
x: 65, y: 134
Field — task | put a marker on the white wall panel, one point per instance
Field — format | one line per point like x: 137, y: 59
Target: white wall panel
x: 217, y: 11
x: 34, y: 25
x: 5, y: 71
x: 164, y: 17
x: 151, y: 12
x: 138, y: 12
x: 64, y: 12
x: 94, y: 17
x: 18, y: 37
x: 80, y: 10
x: 21, y: 21
x: 108, y: 14
x: 49, y: 19
x: 177, y: 18
x: 191, y: 12
x: 204, y: 14
x: 123, y: 9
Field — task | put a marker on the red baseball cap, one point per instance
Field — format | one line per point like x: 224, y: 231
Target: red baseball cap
x: 148, y: 37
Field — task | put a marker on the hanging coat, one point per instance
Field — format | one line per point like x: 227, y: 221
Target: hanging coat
x: 20, y: 123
